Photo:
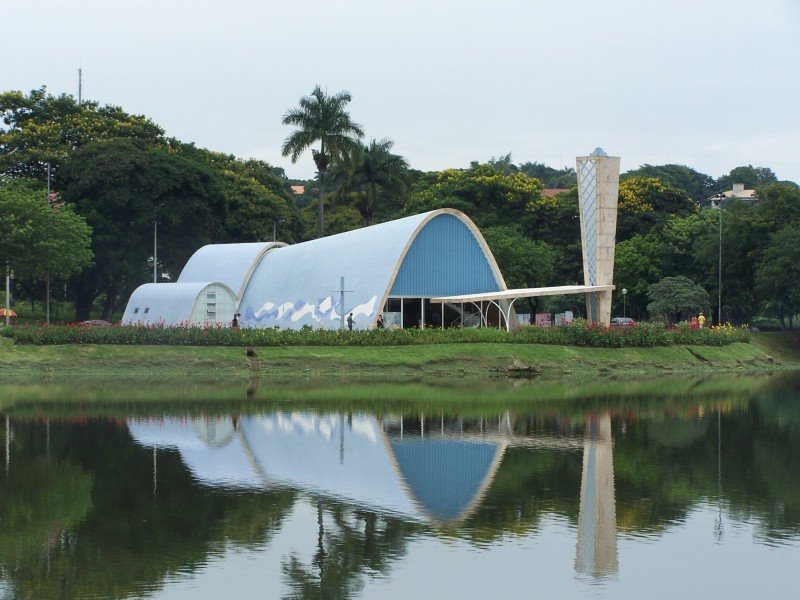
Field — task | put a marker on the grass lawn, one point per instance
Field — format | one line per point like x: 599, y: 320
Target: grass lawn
x: 400, y: 364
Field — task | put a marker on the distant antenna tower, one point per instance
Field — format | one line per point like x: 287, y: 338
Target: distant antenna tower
x: 80, y: 85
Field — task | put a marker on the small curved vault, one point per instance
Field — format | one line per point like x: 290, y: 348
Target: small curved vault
x: 193, y: 304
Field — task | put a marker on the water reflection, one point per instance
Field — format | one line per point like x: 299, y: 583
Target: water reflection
x: 133, y: 506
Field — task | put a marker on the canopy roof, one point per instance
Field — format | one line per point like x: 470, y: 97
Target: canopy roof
x: 524, y: 293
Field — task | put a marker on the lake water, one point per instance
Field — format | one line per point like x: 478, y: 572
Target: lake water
x: 694, y: 494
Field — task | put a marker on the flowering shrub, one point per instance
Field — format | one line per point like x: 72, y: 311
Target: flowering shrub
x: 578, y: 333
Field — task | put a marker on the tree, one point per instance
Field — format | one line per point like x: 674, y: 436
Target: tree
x: 255, y: 199
x: 524, y: 263
x: 39, y: 128
x: 488, y: 196
x: 777, y: 275
x: 550, y: 177
x: 675, y: 298
x: 321, y: 118
x: 340, y: 219
x: 780, y: 204
x: 645, y: 202
x: 37, y: 237
x: 636, y: 268
x: 121, y: 187
x: 744, y: 236
x: 698, y: 186
x: 752, y: 177
x: 372, y: 179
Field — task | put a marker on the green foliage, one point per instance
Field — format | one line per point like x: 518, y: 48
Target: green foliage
x: 752, y: 178
x: 577, y: 334
x: 646, y: 202
x: 677, y: 297
x: 778, y: 274
x: 254, y: 199
x: 488, y: 196
x: 698, y: 186
x: 372, y: 179
x: 119, y: 186
x: 37, y: 237
x: 40, y: 128
x: 523, y: 262
x: 636, y: 267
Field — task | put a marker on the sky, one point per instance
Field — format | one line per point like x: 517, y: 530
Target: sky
x: 712, y: 84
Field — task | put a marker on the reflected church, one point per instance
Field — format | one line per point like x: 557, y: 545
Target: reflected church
x: 434, y: 470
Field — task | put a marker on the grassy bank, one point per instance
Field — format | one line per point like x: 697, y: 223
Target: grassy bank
x: 399, y: 364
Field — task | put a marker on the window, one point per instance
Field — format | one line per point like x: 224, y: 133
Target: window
x: 211, y: 295
x: 147, y: 310
x: 136, y: 310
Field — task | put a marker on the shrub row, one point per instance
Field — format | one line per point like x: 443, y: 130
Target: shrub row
x: 576, y: 334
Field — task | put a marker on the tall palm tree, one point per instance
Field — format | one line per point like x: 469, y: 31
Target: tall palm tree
x: 372, y: 176
x: 321, y: 118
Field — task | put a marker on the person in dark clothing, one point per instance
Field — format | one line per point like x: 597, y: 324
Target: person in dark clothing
x: 235, y: 322
x: 379, y: 322
x: 350, y: 321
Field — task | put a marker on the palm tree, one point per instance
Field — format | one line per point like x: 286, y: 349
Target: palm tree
x: 372, y: 175
x: 321, y: 118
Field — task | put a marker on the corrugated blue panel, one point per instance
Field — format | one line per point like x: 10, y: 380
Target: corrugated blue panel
x: 444, y: 260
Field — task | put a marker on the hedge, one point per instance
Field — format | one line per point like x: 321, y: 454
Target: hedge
x: 577, y: 334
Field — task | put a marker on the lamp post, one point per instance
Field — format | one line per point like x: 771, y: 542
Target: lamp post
x: 624, y: 294
x: 275, y: 229
x: 155, y: 242
x: 9, y: 277
x: 155, y: 247
x: 716, y: 201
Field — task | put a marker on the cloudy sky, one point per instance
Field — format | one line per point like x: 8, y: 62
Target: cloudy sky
x: 708, y: 83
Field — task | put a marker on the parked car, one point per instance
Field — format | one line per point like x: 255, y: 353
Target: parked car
x: 622, y: 322
x: 95, y: 323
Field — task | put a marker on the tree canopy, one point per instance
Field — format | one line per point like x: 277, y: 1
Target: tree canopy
x: 38, y: 128
x: 39, y: 236
x: 677, y: 298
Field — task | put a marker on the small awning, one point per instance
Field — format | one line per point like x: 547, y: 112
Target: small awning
x: 524, y: 293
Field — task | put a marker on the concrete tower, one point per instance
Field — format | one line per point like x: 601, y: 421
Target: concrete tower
x: 598, y: 190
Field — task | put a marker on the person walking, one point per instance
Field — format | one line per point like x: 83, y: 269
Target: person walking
x: 350, y: 321
x: 379, y: 322
x: 235, y: 322
x: 701, y: 321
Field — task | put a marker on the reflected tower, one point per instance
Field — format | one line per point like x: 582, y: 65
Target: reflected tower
x: 596, y: 552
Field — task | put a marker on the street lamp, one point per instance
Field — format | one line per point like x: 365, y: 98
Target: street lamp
x: 624, y: 294
x: 275, y: 229
x: 155, y: 242
x: 716, y: 202
x: 9, y: 277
